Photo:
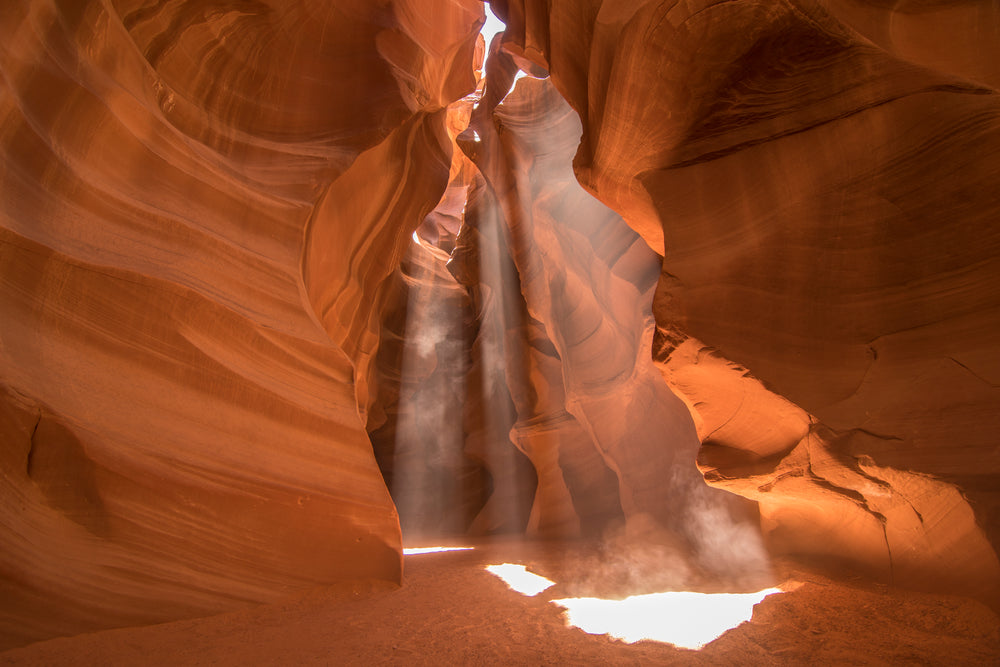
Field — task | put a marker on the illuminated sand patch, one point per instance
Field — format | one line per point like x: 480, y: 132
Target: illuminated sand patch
x: 518, y: 578
x: 684, y: 619
x: 414, y: 551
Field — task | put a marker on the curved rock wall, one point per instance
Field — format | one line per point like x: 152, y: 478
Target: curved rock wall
x: 180, y: 433
x: 826, y: 210
x: 559, y: 295
x: 957, y: 36
x: 206, y: 204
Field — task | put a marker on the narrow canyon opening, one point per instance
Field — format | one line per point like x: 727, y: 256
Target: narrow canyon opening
x: 517, y: 392
x: 527, y: 389
x: 336, y: 331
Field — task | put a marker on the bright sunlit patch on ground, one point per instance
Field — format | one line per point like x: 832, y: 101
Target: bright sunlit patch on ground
x: 413, y: 551
x: 686, y: 620
x: 518, y: 578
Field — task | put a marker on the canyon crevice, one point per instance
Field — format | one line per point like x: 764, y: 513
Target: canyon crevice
x: 285, y: 281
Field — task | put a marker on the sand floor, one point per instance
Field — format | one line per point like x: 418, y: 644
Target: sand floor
x: 450, y: 611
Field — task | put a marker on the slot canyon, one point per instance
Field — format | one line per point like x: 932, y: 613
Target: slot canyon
x: 645, y: 296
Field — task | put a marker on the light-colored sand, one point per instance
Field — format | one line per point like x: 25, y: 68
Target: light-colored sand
x: 450, y: 611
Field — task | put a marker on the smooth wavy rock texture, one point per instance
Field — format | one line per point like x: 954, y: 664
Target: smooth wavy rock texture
x: 541, y: 325
x: 183, y: 367
x: 829, y: 298
x: 605, y: 432
x: 716, y: 280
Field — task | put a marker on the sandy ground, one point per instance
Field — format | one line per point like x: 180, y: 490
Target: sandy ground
x: 450, y: 611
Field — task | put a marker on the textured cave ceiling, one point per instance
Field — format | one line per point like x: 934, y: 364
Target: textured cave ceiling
x: 282, y: 276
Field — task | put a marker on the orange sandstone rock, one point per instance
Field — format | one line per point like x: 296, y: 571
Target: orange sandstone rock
x: 181, y: 434
x: 825, y: 208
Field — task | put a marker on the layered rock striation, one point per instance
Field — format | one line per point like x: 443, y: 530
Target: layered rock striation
x: 559, y: 292
x: 826, y: 209
x: 263, y: 262
x: 201, y: 204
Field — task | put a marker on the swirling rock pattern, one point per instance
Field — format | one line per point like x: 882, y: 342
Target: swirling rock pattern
x: 192, y: 198
x: 560, y: 291
x: 205, y: 237
x: 827, y: 210
x: 586, y: 282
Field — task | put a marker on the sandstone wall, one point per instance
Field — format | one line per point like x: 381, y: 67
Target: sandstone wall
x: 827, y: 211
x: 205, y: 237
x: 186, y: 289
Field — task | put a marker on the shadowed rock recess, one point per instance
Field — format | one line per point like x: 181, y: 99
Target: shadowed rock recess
x: 280, y: 277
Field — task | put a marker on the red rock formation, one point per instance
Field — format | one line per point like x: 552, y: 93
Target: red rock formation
x: 560, y: 290
x: 826, y: 209
x: 957, y: 36
x: 180, y: 432
x: 206, y: 235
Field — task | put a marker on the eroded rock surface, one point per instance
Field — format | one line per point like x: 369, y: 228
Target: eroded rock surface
x: 211, y: 290
x: 827, y: 214
x: 559, y: 290
x: 201, y: 203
